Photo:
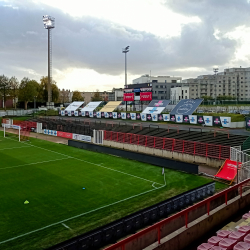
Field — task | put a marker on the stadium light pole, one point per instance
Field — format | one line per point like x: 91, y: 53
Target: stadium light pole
x: 49, y: 23
x: 125, y: 51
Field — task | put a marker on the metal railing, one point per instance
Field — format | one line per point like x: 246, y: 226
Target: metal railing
x: 156, y: 228
x: 175, y: 145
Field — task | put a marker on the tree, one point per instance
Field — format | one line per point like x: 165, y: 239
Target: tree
x: 27, y: 90
x: 64, y: 96
x: 206, y: 97
x: 43, y: 90
x: 77, y: 96
x: 4, y: 88
x: 14, y: 88
x: 97, y: 96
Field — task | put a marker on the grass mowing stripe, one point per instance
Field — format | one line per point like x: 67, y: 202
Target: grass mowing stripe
x: 99, y: 165
x: 34, y: 163
x: 79, y: 215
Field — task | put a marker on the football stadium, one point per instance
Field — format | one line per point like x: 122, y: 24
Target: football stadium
x: 87, y: 193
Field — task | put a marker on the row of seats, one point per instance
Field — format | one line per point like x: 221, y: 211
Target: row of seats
x: 229, y: 239
x: 130, y: 224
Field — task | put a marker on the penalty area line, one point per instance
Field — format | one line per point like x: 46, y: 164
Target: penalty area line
x: 79, y: 215
x: 99, y: 165
x: 14, y: 148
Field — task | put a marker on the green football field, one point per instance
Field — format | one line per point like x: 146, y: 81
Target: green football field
x: 51, y: 177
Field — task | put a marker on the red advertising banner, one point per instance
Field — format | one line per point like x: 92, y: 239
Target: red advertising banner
x: 128, y: 97
x: 145, y: 96
x: 64, y: 134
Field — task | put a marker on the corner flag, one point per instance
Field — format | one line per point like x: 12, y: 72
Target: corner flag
x: 162, y: 170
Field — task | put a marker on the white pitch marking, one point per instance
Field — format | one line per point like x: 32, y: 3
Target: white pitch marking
x: 14, y: 147
x: 76, y: 216
x: 66, y: 226
x: 99, y: 165
x: 34, y: 163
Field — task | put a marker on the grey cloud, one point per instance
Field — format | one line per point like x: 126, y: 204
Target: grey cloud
x: 97, y: 44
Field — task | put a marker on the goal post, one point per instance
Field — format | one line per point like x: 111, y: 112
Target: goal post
x: 11, y: 129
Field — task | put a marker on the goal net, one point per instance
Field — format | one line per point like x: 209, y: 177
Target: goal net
x: 12, y: 131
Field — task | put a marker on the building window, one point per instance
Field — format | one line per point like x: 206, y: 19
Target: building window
x: 161, y: 86
x: 186, y: 91
x: 156, y: 86
x: 154, y: 80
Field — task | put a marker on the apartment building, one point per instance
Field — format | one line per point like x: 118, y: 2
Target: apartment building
x: 161, y: 85
x: 233, y: 82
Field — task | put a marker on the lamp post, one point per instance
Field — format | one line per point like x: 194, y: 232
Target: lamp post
x: 125, y: 51
x: 49, y: 23
x: 35, y: 102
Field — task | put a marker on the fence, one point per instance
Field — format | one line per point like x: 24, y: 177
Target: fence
x: 156, y: 228
x: 170, y: 144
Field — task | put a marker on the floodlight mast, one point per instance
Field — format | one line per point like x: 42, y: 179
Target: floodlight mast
x: 49, y: 23
x: 125, y: 51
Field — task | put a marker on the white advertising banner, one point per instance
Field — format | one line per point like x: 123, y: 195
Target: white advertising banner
x: 179, y: 118
x: 75, y: 113
x: 208, y: 120
x: 133, y: 116
x: 106, y: 114
x: 98, y: 115
x: 78, y: 137
x: 166, y: 117
x: 91, y: 114
x: 124, y: 115
x: 74, y: 106
x: 154, y: 117
x: 114, y: 115
x: 62, y: 113
x: 193, y: 119
x: 91, y: 106
x: 143, y: 117
x: 226, y: 121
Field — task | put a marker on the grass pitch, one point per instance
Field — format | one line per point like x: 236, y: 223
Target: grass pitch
x: 52, y: 177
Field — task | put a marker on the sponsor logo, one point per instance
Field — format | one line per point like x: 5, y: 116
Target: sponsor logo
x: 178, y: 118
x: 207, y: 120
x: 146, y: 89
x: 172, y: 118
x: 110, y: 115
x: 166, y: 118
x: 248, y: 123
x: 149, y: 117
x: 132, y: 116
x: 123, y: 115
x: 186, y: 119
x: 225, y: 121
x: 154, y: 117
x: 119, y: 115
x: 200, y: 120
x: 114, y: 115
x: 216, y: 121
x: 143, y: 117
x: 192, y: 119
x: 138, y: 116
x: 128, y: 115
x: 160, y: 117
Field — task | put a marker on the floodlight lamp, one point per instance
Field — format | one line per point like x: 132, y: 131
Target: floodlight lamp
x: 125, y: 50
x: 49, y: 22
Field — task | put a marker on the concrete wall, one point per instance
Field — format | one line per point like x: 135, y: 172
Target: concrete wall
x: 166, y: 154
x: 238, y: 124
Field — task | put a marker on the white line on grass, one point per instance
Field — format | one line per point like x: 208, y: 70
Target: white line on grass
x: 79, y: 215
x: 66, y: 226
x: 14, y: 148
x: 99, y: 165
x: 34, y: 163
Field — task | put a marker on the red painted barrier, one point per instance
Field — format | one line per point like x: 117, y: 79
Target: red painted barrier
x: 156, y: 228
x: 64, y: 135
x: 170, y: 144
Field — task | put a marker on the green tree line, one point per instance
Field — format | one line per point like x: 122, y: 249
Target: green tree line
x: 27, y: 89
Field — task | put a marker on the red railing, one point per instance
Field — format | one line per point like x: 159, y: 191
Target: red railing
x: 170, y: 144
x: 156, y: 228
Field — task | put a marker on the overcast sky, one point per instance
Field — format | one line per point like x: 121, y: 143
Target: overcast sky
x: 183, y: 38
